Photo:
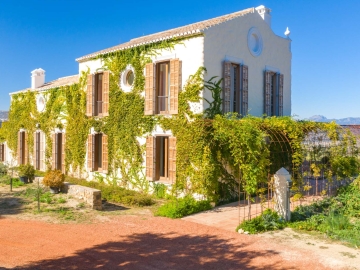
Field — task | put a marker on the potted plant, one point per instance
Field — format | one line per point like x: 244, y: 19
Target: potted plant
x: 54, y: 179
x: 26, y: 173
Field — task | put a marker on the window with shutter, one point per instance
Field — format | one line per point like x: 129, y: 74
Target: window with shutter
x: 281, y: 94
x: 245, y: 90
x: 235, y: 88
x: 150, y: 89
x: 97, y: 97
x: 172, y: 159
x: 53, y: 165
x: 226, y: 87
x: 150, y: 150
x: 162, y: 87
x: 58, y: 154
x: 42, y: 151
x: 273, y: 93
x: 19, y: 148
x: 90, y: 152
x: 175, y: 85
x: 63, y: 153
x: 36, y: 157
x: 22, y: 148
x: 89, y: 95
x: 105, y: 93
x: 26, y: 148
x: 105, y: 164
x: 2, y: 152
x: 267, y: 93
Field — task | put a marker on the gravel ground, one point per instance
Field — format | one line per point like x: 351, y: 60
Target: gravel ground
x: 142, y: 242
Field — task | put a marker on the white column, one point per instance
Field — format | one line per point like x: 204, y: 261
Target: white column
x: 282, y: 182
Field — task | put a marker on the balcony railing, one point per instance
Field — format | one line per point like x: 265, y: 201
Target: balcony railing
x: 163, y: 104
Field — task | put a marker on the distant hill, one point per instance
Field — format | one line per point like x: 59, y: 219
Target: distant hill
x: 4, y: 115
x: 342, y: 121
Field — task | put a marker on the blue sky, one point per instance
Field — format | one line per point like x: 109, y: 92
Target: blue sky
x: 51, y: 34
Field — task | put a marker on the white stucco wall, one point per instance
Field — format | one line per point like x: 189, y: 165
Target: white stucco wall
x: 230, y: 39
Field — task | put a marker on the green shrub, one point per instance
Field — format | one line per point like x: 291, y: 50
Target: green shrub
x: 337, y: 217
x: 15, y: 181
x: 3, y: 169
x: 116, y: 194
x: 27, y: 170
x: 269, y: 220
x: 54, y: 178
x: 159, y: 190
x: 182, y: 207
x: 138, y: 200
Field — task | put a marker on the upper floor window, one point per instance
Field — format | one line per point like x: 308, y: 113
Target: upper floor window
x: 235, y: 88
x: 97, y: 98
x: 273, y: 93
x: 162, y: 87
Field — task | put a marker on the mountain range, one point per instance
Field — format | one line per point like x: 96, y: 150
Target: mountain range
x: 4, y: 115
x: 342, y: 121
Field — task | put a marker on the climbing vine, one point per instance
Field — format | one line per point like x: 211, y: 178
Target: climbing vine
x: 216, y: 153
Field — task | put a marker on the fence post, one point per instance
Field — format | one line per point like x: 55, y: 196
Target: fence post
x: 282, y: 184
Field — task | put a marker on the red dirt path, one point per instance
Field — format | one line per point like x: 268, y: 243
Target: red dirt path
x: 135, y: 242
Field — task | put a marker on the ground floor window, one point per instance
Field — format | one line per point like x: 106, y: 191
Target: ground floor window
x: 58, y: 156
x: 161, y: 158
x: 2, y: 152
x: 22, y: 147
x: 97, y: 152
x: 37, y: 150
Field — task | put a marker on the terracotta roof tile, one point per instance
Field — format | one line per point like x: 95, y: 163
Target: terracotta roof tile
x: 183, y: 31
x: 68, y: 80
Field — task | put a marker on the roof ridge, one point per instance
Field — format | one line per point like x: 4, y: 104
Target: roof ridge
x: 186, y: 30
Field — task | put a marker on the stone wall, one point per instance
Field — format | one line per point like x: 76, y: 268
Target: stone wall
x: 90, y: 196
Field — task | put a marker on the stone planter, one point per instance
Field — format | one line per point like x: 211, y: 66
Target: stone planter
x: 24, y: 179
x: 54, y: 190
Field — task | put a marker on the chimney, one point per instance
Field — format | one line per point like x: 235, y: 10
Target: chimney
x: 37, y: 78
x: 264, y: 12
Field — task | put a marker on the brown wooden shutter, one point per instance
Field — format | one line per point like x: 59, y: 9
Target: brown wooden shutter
x: 90, y: 154
x: 281, y: 95
x: 26, y: 152
x: 105, y: 164
x: 245, y: 90
x: 42, y: 151
x: 63, y: 153
x: 150, y: 158
x: 267, y: 93
x: 2, y: 152
x: 105, y: 92
x: 34, y: 153
x: 19, y: 148
x: 226, y: 87
x: 172, y: 159
x: 150, y: 89
x: 54, y: 151
x: 90, y: 96
x: 175, y: 84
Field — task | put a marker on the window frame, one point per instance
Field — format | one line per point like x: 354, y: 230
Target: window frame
x: 167, y: 87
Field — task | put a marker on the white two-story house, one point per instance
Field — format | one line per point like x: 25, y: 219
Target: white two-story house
x: 240, y: 47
